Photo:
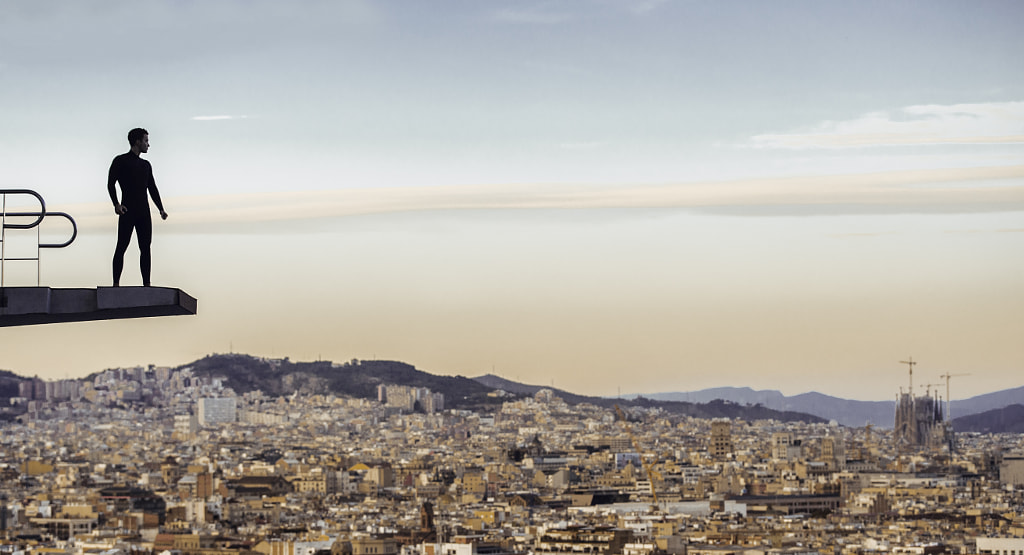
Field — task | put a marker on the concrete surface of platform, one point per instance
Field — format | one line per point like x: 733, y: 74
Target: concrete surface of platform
x: 23, y: 306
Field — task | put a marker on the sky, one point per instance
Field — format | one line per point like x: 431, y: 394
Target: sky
x: 606, y: 196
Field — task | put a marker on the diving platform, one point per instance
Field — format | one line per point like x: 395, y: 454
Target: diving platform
x: 23, y: 306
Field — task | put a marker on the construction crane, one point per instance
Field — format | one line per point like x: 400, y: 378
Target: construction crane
x: 910, y: 362
x: 651, y: 474
x: 928, y: 388
x: 947, y: 376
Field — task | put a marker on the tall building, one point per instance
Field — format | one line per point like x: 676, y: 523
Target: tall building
x: 1011, y: 471
x: 833, y: 451
x: 919, y: 422
x: 401, y: 397
x: 410, y: 399
x: 217, y: 410
x: 721, y: 438
x: 27, y: 390
x: 432, y: 402
x: 186, y: 425
x: 785, y: 447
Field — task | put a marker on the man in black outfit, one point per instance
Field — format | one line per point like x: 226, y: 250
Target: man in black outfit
x: 136, y: 178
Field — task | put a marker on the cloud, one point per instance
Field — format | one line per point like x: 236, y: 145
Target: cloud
x: 639, y: 7
x: 217, y: 118
x: 548, y: 14
x: 931, y: 124
x: 965, y: 190
x: 845, y: 235
x: 582, y: 145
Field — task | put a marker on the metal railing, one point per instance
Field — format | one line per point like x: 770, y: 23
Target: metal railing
x: 36, y: 224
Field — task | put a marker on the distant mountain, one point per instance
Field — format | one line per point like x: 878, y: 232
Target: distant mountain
x: 987, y: 402
x: 845, y: 411
x: 360, y: 379
x: 714, y: 409
x: 1005, y: 420
x: 768, y: 398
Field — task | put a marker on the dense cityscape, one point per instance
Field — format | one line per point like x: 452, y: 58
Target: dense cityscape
x: 160, y: 460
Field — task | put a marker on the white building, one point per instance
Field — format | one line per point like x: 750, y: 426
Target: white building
x: 1000, y: 546
x: 217, y: 410
x: 186, y: 425
x: 1011, y: 472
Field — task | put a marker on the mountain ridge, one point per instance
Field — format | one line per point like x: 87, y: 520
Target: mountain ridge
x: 1009, y: 419
x: 360, y: 379
x: 847, y: 412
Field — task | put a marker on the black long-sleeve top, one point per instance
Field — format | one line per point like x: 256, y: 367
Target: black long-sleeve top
x: 136, y: 178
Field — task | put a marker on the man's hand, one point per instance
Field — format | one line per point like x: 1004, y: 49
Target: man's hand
x: 120, y: 209
x: 163, y: 215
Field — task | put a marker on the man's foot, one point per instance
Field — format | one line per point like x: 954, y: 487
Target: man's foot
x: 146, y: 284
x: 116, y: 284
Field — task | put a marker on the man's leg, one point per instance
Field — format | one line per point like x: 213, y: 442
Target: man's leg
x: 144, y: 234
x: 124, y: 236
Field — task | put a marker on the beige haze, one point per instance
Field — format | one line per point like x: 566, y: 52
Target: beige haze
x: 893, y: 189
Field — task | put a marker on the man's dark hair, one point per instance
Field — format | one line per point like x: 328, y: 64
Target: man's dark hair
x: 136, y: 134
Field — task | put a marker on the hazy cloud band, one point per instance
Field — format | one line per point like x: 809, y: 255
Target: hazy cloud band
x: 949, y: 190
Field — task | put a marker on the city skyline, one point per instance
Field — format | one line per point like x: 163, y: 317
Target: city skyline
x: 318, y: 473
x: 610, y: 196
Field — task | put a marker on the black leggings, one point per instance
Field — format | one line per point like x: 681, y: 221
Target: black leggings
x: 143, y: 226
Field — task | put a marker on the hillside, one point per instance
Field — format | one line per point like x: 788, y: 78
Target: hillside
x: 497, y: 382
x: 358, y: 378
x: 844, y: 411
x: 988, y: 402
x: 713, y: 409
x: 9, y: 384
x: 847, y: 412
x: 1004, y: 420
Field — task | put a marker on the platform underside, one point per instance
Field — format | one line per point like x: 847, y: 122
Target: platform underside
x: 23, y: 306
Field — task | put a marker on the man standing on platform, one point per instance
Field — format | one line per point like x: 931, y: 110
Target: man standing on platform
x: 135, y: 175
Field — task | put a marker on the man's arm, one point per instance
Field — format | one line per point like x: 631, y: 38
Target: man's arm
x: 153, y: 192
x: 111, y: 178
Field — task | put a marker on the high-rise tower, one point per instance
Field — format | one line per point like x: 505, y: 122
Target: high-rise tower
x: 721, y: 438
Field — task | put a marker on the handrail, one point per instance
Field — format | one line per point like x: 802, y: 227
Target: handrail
x: 65, y: 215
x: 41, y: 214
x: 39, y: 217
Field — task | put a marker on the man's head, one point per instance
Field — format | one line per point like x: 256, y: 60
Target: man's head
x: 138, y: 138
